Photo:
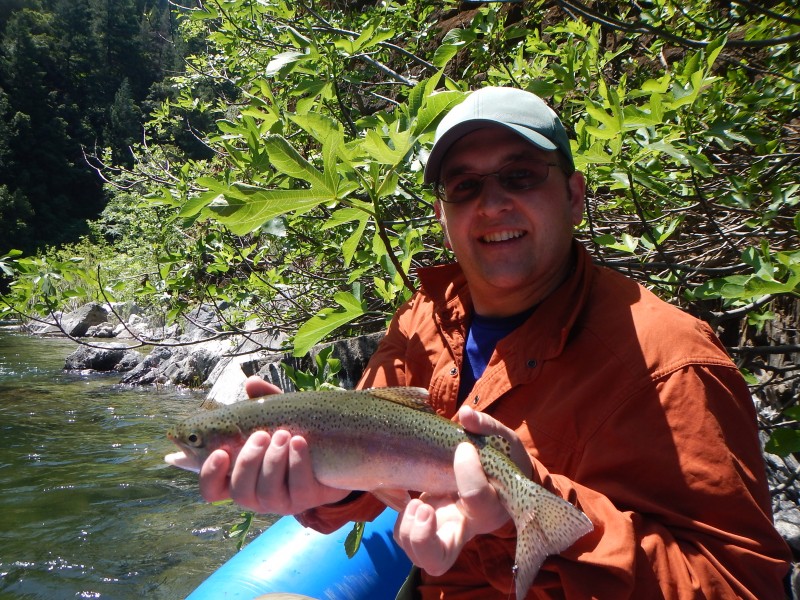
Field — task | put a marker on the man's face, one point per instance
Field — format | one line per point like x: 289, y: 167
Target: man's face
x: 513, y: 245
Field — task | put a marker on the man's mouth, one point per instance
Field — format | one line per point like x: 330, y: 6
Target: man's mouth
x: 501, y: 236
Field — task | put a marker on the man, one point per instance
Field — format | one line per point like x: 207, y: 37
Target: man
x: 612, y: 399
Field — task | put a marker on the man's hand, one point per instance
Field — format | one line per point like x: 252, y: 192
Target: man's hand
x: 271, y: 474
x: 432, y: 530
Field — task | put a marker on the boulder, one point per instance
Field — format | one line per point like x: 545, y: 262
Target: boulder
x: 77, y: 323
x: 73, y: 324
x: 105, y: 357
x: 176, y: 362
x: 45, y: 327
x: 228, y: 377
x: 103, y: 330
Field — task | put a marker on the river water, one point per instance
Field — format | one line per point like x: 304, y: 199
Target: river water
x: 88, y: 509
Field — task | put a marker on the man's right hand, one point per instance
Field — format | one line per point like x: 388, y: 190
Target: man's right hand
x: 271, y: 474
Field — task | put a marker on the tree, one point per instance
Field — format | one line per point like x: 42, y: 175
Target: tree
x: 72, y: 89
x: 308, y: 213
x: 124, y: 126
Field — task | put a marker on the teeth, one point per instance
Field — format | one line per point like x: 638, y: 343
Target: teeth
x: 502, y: 236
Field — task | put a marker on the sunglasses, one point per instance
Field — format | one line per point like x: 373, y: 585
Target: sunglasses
x: 515, y: 177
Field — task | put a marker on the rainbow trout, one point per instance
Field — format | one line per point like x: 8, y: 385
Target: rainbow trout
x: 387, y: 439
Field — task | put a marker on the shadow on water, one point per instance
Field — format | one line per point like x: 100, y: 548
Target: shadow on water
x: 88, y: 508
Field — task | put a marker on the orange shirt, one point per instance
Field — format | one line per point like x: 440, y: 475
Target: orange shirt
x: 630, y: 409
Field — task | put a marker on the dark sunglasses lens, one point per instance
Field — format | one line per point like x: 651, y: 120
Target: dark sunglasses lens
x: 523, y: 176
x: 515, y: 177
x: 462, y: 188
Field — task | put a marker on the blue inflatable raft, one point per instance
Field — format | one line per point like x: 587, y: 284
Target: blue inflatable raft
x: 289, y: 558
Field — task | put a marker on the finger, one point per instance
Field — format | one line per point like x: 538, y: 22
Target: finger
x: 404, y: 525
x: 474, y: 488
x: 478, y: 499
x: 483, y: 424
x: 247, y: 469
x: 429, y: 549
x: 270, y: 483
x: 304, y: 489
x: 214, y: 482
x: 255, y: 387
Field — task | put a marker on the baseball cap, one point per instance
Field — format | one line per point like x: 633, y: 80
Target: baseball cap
x: 520, y: 111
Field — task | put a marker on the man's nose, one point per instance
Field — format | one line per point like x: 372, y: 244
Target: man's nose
x: 493, y: 197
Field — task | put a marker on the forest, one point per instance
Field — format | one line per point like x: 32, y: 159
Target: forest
x: 265, y: 156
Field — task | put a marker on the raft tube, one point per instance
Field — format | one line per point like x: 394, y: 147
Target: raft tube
x: 292, y: 559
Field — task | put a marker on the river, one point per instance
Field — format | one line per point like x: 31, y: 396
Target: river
x: 88, y: 509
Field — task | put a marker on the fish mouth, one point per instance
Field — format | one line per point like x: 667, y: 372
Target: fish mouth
x: 183, y: 461
x: 502, y: 236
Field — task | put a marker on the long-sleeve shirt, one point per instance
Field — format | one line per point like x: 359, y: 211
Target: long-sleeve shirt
x: 630, y: 409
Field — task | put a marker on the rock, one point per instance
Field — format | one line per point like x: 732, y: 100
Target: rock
x: 139, y: 328
x: 178, y: 363
x: 787, y: 522
x: 203, y: 322
x: 77, y: 323
x: 45, y: 326
x: 109, y: 357
x: 148, y: 371
x: 103, y: 330
x: 224, y: 364
x: 123, y: 311
x: 73, y: 324
x: 228, y: 377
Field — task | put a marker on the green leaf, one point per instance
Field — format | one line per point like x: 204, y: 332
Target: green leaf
x: 353, y: 541
x: 326, y: 321
x: 435, y: 107
x: 783, y: 441
x: 284, y: 60
x: 245, y: 216
x: 378, y: 149
x: 347, y: 215
x: 451, y: 44
x: 287, y: 160
x: 239, y: 531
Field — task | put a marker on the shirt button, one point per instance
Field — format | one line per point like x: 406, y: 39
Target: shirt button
x: 476, y: 399
x: 532, y: 363
x: 453, y: 371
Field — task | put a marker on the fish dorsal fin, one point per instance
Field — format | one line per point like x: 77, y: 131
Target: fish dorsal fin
x: 412, y: 397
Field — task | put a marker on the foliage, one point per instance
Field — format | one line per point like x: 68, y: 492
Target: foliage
x: 74, y: 74
x: 240, y: 530
x: 325, y: 377
x: 306, y: 210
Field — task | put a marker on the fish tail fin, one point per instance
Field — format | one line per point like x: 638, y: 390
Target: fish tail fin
x: 546, y: 524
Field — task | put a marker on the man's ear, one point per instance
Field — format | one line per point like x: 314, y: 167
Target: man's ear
x: 576, y: 186
x: 439, y: 214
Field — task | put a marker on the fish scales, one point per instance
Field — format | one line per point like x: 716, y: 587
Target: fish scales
x: 389, y: 439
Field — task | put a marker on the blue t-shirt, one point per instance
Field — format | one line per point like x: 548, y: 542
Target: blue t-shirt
x: 482, y: 337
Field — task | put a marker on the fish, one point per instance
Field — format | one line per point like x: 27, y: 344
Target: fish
x: 385, y: 439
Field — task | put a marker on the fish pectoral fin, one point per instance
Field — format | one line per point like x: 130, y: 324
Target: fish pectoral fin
x: 412, y: 397
x: 393, y: 498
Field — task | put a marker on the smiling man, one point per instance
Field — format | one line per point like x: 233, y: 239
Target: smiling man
x: 609, y: 397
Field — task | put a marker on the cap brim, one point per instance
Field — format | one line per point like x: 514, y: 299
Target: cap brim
x: 455, y: 133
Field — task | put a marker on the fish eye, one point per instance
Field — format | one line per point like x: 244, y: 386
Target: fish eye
x: 194, y: 439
